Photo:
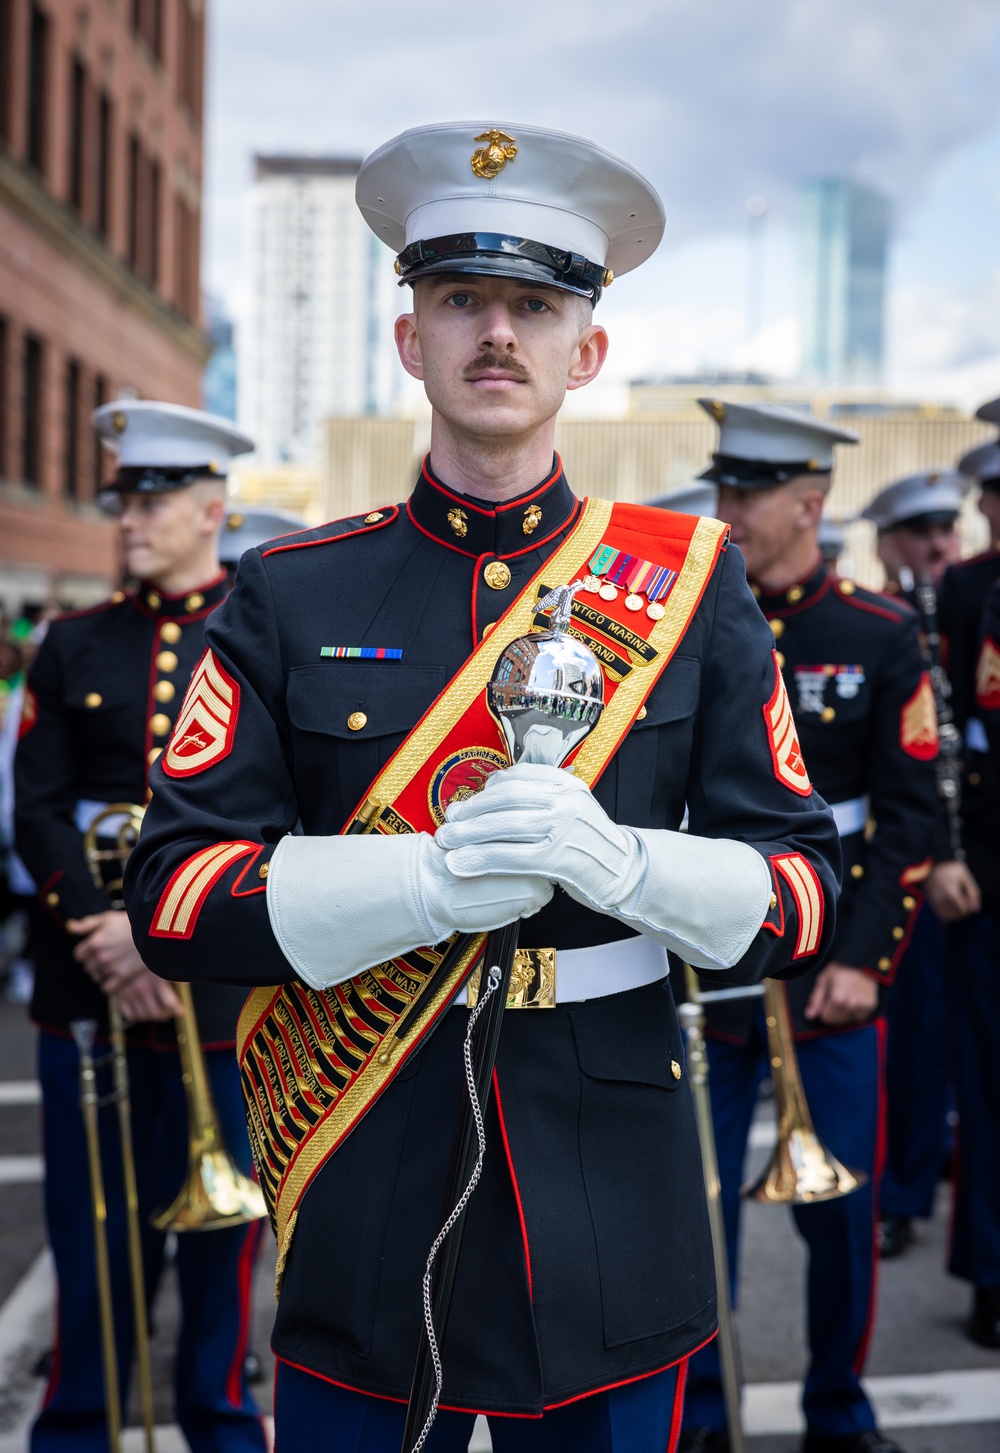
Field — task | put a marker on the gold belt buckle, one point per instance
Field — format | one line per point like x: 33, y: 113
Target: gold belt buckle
x: 532, y: 980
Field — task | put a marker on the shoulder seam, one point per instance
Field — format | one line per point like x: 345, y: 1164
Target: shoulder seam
x: 89, y: 610
x: 352, y: 525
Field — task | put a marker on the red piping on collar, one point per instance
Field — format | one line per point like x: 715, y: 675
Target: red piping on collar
x: 462, y: 499
x: 180, y: 594
x: 799, y: 606
x: 491, y: 555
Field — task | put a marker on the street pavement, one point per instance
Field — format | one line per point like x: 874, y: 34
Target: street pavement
x: 935, y: 1390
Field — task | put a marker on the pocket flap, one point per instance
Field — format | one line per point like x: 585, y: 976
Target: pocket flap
x: 631, y: 1037
x: 392, y: 697
x: 675, y: 695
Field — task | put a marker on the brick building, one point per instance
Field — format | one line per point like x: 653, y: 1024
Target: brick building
x: 100, y: 182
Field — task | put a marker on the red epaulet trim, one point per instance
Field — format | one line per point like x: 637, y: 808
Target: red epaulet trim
x: 899, y: 611
x: 92, y: 610
x: 338, y: 530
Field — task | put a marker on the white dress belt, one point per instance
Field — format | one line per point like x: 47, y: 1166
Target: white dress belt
x: 850, y: 816
x: 606, y: 968
x: 975, y: 735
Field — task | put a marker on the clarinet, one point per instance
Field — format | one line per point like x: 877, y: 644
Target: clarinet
x: 949, y: 763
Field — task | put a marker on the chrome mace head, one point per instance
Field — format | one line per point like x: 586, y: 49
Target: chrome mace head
x: 547, y: 690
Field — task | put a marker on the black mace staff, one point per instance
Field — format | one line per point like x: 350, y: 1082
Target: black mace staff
x: 547, y: 692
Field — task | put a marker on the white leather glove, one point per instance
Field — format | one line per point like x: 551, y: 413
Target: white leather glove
x: 338, y: 905
x: 548, y: 819
x: 704, y: 898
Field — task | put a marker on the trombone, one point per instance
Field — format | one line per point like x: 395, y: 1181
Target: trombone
x: 801, y: 1169
x: 215, y: 1192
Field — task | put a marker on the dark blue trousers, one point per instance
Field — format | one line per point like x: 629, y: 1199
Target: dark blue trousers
x: 974, y: 994
x: 841, y: 1074
x: 214, y: 1268
x: 638, y: 1417
x: 916, y: 1073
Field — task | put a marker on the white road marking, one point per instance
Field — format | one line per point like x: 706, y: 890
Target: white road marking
x: 25, y: 1333
x: 917, y: 1400
x: 20, y: 1170
x: 20, y: 1092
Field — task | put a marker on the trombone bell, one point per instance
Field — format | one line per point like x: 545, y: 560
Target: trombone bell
x: 215, y: 1195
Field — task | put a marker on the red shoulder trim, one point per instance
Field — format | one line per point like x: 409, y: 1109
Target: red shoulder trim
x: 896, y: 616
x: 389, y: 513
x: 93, y: 610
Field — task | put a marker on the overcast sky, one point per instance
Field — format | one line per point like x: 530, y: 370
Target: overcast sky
x: 714, y: 101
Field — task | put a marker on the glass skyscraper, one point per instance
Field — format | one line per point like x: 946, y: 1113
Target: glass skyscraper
x: 844, y: 239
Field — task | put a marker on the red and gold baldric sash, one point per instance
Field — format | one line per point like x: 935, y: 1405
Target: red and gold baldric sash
x: 313, y: 1063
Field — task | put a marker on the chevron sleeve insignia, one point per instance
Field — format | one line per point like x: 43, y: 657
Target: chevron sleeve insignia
x: 206, y: 724
x: 783, y: 739
x: 988, y: 676
x: 918, y: 723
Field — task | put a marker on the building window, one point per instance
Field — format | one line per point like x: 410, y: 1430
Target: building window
x: 6, y: 8
x: 100, y: 397
x: 38, y: 44
x: 134, y: 201
x: 104, y: 142
x: 31, y: 416
x: 71, y: 454
x: 190, y: 54
x: 77, y: 134
x: 186, y: 253
x: 153, y: 222
x: 147, y: 22
x: 4, y: 396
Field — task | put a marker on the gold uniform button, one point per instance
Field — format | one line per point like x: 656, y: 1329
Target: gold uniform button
x: 781, y: 660
x: 195, y: 601
x: 777, y: 629
x: 974, y: 779
x: 909, y: 903
x: 170, y: 632
x: 675, y: 1069
x: 52, y: 899
x: 774, y: 900
x: 153, y: 600
x: 263, y: 870
x: 489, y: 626
x: 755, y: 591
x: 897, y: 933
x: 152, y: 756
x: 641, y: 715
x: 159, y: 724
x: 164, y: 691
x: 847, y: 587
x: 795, y: 595
x: 497, y: 575
x: 166, y: 661
x: 857, y: 871
x: 357, y: 720
x: 885, y: 964
x: 118, y: 597
x: 92, y: 699
x: 371, y: 519
x: 827, y: 714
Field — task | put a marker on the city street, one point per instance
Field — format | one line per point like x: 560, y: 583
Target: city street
x: 934, y: 1389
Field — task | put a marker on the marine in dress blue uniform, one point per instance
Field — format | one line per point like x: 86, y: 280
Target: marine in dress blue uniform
x: 864, y: 710
x: 967, y: 894
x: 585, y: 1279
x: 917, y: 523
x: 102, y: 698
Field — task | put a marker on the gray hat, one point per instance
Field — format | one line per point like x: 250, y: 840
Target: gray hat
x: 245, y: 528
x: 761, y: 445
x: 162, y: 447
x: 982, y: 464
x: 832, y: 537
x: 509, y: 200
x: 989, y: 412
x: 934, y: 496
x: 699, y: 498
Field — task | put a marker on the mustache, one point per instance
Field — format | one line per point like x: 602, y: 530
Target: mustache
x: 494, y: 362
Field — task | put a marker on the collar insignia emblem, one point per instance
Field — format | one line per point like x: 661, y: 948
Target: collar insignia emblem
x: 458, y: 520
x: 532, y: 519
x: 489, y: 160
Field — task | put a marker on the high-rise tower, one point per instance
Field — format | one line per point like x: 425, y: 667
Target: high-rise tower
x: 844, y: 238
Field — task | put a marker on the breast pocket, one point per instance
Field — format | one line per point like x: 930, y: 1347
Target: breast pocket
x: 106, y: 722
x: 651, y: 763
x: 347, y: 719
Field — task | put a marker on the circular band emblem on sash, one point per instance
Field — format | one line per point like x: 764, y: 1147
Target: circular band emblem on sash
x: 462, y: 775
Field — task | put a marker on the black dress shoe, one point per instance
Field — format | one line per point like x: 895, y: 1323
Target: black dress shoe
x: 984, y: 1323
x: 894, y: 1235
x: 703, y: 1440
x: 869, y: 1440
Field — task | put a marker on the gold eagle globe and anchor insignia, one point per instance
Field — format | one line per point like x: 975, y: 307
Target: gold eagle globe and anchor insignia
x: 489, y: 160
x: 458, y: 520
x: 532, y: 519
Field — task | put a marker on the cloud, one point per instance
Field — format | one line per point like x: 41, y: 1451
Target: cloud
x: 713, y: 101
x: 945, y: 344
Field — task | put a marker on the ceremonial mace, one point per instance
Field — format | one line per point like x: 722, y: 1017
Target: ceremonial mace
x: 547, y: 692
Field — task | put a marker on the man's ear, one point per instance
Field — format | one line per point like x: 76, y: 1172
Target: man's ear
x: 588, y: 358
x: 408, y: 345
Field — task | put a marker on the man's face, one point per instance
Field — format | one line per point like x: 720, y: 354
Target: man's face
x: 497, y: 355
x: 769, y: 524
x: 925, y: 549
x: 161, y: 532
x: 989, y: 505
